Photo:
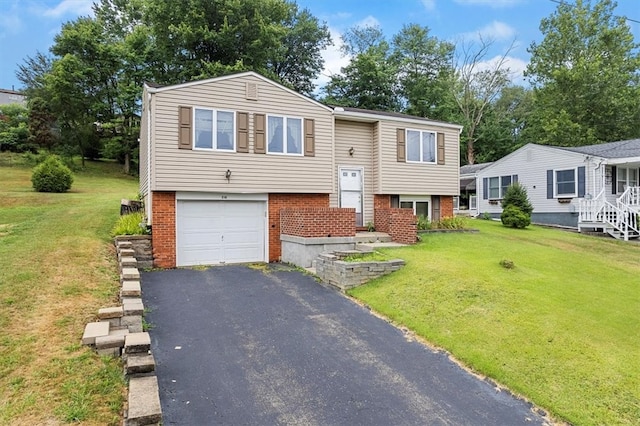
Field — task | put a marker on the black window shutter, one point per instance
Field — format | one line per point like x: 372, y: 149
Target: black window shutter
x: 614, y: 179
x: 549, y: 183
x: 514, y: 178
x: 581, y: 181
x: 485, y: 189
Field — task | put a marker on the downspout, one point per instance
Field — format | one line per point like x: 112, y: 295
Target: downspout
x: 149, y: 129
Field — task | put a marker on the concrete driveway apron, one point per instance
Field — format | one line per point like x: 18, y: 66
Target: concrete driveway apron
x: 241, y: 346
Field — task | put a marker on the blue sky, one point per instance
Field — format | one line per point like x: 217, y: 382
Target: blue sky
x: 27, y: 26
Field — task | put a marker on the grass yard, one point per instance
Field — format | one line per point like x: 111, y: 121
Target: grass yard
x: 57, y: 268
x: 561, y: 328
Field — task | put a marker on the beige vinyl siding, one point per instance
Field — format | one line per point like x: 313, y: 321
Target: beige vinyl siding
x: 360, y: 136
x: 376, y: 158
x: 415, y: 178
x: 198, y: 170
x: 531, y: 163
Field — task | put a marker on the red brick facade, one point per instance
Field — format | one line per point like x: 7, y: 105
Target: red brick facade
x: 446, y: 206
x: 311, y: 222
x: 381, y: 201
x: 278, y: 202
x: 163, y: 224
x: 400, y: 224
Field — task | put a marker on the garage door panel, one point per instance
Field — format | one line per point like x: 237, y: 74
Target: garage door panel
x: 211, y: 232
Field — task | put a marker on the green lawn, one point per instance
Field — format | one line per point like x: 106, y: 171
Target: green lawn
x: 561, y: 328
x: 57, y: 268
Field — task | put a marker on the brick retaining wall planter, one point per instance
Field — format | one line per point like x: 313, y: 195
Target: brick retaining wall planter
x: 331, y: 269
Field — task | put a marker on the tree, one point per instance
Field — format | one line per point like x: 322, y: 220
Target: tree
x: 424, y: 67
x: 477, y: 84
x: 369, y: 80
x: 14, y: 133
x: 585, y: 75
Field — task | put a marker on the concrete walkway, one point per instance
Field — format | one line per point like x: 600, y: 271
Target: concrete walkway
x: 241, y: 346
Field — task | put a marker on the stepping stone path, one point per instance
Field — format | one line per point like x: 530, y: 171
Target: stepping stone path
x: 119, y: 333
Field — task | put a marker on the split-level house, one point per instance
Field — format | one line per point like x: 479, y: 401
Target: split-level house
x: 223, y: 162
x: 594, y: 187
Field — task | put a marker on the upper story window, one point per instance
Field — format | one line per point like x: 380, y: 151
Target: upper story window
x: 565, y: 183
x: 214, y: 129
x: 421, y: 146
x: 284, y: 135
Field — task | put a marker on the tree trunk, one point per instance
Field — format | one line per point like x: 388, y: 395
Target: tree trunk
x: 127, y: 163
x: 471, y: 155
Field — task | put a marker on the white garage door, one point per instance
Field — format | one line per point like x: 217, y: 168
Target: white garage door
x: 210, y: 232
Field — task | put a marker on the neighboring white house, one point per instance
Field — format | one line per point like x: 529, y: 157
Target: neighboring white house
x: 591, y: 187
x: 12, y: 97
x: 466, y: 203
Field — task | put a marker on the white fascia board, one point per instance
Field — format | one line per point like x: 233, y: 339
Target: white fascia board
x: 625, y: 160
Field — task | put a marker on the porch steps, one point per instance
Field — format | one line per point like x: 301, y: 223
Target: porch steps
x: 372, y: 237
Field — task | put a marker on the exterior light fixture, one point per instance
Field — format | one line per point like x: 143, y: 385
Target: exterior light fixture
x: 227, y: 175
x: 351, y: 151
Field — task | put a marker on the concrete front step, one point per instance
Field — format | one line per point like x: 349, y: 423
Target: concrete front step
x: 372, y: 237
x: 144, y: 402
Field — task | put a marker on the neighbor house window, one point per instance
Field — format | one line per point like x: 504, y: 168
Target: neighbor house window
x: 284, y: 135
x: 495, y: 187
x: 565, y: 183
x: 626, y: 178
x: 421, y: 146
x: 214, y: 129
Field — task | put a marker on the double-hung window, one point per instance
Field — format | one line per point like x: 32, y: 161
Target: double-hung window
x: 421, y: 146
x: 495, y: 187
x: 565, y: 183
x: 284, y: 135
x: 625, y: 178
x: 214, y: 129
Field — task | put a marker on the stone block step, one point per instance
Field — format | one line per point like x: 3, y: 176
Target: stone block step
x: 130, y: 288
x: 113, y: 312
x: 93, y: 330
x: 135, y: 343
x: 144, y: 402
x: 124, y: 245
x: 128, y: 262
x: 126, y: 253
x: 110, y: 341
x: 132, y: 307
x: 139, y: 364
x: 132, y: 322
x: 130, y: 274
x: 372, y: 237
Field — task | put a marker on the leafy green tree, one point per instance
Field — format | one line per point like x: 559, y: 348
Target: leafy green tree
x: 424, y: 66
x: 476, y: 86
x: 14, y: 132
x: 585, y: 74
x: 369, y: 80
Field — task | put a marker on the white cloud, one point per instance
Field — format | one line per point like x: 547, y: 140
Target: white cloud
x: 515, y: 65
x: 494, y: 4
x: 334, y: 60
x: 429, y: 4
x: 10, y: 24
x: 496, y: 31
x: 369, y: 21
x: 70, y: 7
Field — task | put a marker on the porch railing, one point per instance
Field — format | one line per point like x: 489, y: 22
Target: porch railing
x: 631, y: 197
x: 622, y: 216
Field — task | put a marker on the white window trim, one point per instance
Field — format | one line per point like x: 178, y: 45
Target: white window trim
x: 284, y: 135
x: 214, y: 130
x: 575, y: 183
x: 416, y: 198
x: 499, y: 197
x: 627, y: 181
x: 435, y: 146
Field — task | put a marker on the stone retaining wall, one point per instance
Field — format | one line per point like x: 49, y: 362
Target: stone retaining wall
x: 141, y: 245
x: 119, y: 332
x: 331, y: 269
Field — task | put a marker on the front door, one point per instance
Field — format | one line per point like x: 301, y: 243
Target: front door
x: 351, y: 191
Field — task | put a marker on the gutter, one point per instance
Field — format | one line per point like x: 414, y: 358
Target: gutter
x: 339, y: 112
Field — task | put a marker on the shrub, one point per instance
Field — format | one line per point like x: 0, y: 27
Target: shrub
x: 513, y: 217
x: 516, y: 195
x: 130, y: 224
x: 423, y: 223
x: 486, y: 216
x: 450, y: 223
x: 51, y: 176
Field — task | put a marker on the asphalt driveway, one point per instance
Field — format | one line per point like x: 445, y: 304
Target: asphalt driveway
x: 241, y: 346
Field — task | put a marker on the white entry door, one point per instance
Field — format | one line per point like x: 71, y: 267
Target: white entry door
x: 213, y: 232
x: 351, y: 191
